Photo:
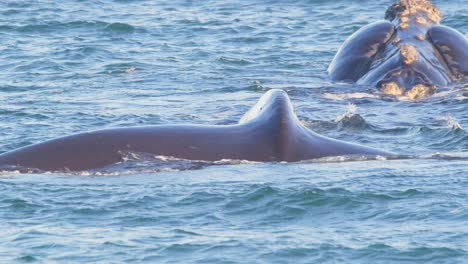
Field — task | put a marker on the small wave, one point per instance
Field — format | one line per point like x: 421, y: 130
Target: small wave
x: 448, y: 134
x: 350, y: 111
x: 354, y: 158
x: 27, y: 258
x: 263, y: 203
x: 442, y: 156
x: 23, y: 113
x: 73, y: 55
x: 452, y: 136
x: 450, y: 122
x: 247, y: 40
x: 120, y: 28
x: 257, y: 86
x: 235, y: 61
x: 351, y: 120
x: 120, y: 68
x: 40, y: 66
x: 383, y: 253
x: 58, y: 26
x: 21, y: 205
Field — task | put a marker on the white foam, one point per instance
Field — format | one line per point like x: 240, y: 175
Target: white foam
x: 450, y: 122
x: 350, y: 112
x: 341, y: 97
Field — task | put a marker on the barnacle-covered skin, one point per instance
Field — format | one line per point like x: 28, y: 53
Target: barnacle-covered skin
x: 408, y: 54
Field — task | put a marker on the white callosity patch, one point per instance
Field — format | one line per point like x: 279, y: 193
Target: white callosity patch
x: 409, y: 54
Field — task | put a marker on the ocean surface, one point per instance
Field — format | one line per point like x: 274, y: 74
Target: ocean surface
x: 81, y: 65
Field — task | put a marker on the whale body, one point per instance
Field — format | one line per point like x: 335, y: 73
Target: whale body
x: 270, y: 131
x: 408, y: 54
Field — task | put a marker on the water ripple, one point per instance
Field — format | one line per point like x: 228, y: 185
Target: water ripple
x: 75, y: 66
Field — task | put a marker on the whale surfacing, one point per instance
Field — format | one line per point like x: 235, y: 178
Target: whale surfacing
x: 270, y: 131
x: 408, y: 54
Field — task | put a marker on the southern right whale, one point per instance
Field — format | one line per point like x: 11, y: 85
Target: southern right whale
x: 409, y: 53
x: 270, y: 131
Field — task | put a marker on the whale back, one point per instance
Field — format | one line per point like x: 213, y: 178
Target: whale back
x: 273, y: 119
x: 273, y: 105
x: 270, y: 131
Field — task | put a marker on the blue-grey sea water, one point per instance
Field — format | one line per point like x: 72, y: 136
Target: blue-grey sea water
x: 80, y: 65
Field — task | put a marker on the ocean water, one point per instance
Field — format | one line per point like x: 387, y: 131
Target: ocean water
x: 80, y: 65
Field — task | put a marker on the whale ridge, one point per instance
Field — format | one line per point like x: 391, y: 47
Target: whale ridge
x: 270, y: 132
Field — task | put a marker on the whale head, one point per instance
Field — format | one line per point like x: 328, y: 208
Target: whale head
x: 408, y: 54
x: 409, y: 64
x: 406, y: 10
